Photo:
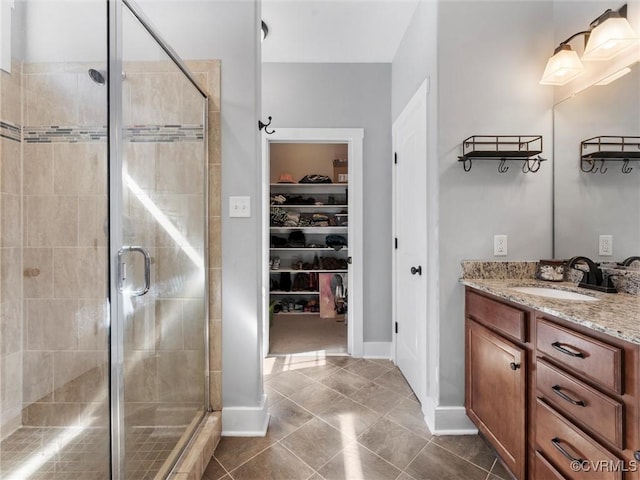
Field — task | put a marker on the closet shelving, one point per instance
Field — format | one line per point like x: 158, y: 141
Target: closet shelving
x: 326, y: 199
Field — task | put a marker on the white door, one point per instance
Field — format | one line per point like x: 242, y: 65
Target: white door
x: 410, y: 242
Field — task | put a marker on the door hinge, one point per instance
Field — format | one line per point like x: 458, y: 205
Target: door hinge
x: 396, y: 327
x: 395, y: 158
x: 396, y: 242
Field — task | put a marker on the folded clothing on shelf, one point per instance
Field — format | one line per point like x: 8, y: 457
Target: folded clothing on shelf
x: 315, y: 178
x: 336, y: 241
x: 296, y: 239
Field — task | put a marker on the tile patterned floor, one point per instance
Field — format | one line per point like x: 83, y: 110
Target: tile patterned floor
x: 340, y: 418
x: 56, y: 453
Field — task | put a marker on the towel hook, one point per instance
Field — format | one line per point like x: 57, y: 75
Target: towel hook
x: 262, y: 125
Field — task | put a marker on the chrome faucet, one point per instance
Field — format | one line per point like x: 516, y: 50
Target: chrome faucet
x: 593, y: 277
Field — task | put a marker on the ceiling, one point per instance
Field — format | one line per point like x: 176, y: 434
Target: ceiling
x: 334, y: 31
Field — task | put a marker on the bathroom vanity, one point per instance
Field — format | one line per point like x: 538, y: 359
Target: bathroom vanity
x: 554, y: 384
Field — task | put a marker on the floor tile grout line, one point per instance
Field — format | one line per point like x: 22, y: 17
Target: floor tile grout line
x: 381, y: 458
x: 223, y: 467
x: 404, y: 470
x: 386, y: 416
x: 295, y: 455
x: 462, y: 458
x: 249, y: 459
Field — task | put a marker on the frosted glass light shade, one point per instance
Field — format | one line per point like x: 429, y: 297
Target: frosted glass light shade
x: 563, y: 67
x: 609, y: 38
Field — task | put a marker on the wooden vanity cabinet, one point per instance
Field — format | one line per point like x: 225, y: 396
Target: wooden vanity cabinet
x: 575, y: 394
x: 496, y: 363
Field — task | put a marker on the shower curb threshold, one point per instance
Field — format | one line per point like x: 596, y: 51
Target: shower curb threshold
x: 200, y: 449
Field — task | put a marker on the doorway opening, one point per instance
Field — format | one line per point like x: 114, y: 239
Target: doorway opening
x: 312, y: 248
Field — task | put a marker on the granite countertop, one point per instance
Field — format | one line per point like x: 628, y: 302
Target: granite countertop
x: 615, y: 314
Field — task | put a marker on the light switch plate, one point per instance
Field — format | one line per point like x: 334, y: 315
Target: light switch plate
x: 240, y: 207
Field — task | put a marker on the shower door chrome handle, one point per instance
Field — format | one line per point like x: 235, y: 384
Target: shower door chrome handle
x: 122, y: 270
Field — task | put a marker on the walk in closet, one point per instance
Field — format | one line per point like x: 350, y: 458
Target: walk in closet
x: 309, y: 248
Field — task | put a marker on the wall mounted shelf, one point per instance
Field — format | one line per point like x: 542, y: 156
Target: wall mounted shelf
x: 503, y: 148
x: 608, y: 148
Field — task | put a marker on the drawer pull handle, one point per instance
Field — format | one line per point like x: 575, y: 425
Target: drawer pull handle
x: 514, y: 366
x: 556, y: 443
x: 558, y: 391
x: 558, y: 346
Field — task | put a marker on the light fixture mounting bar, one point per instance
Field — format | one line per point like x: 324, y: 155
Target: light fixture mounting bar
x: 608, y: 13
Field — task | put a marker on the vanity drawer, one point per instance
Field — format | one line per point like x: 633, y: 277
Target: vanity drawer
x: 597, y: 411
x: 564, y: 444
x: 596, y: 360
x: 506, y: 319
x: 546, y: 471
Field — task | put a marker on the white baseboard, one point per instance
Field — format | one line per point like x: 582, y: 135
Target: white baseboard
x: 447, y: 420
x: 377, y: 350
x: 246, y: 421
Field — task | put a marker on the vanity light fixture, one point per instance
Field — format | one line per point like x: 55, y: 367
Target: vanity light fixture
x: 265, y: 30
x: 611, y: 33
x: 608, y: 35
x: 563, y: 66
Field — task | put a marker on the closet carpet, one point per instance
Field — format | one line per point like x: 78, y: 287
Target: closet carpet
x: 306, y: 333
x: 336, y: 418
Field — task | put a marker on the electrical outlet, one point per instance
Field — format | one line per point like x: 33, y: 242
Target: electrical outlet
x: 605, y: 246
x: 499, y: 245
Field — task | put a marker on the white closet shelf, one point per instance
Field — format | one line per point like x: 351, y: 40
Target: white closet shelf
x: 292, y: 270
x: 309, y: 249
x: 297, y: 292
x: 320, y: 186
x: 298, y: 313
x: 314, y: 207
x: 311, y: 229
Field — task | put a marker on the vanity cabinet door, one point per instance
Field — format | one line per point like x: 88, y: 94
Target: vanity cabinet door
x: 496, y: 376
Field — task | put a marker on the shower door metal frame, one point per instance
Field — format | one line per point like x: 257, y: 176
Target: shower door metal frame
x: 115, y: 166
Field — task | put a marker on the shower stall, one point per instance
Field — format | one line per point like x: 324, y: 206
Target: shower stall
x: 109, y: 359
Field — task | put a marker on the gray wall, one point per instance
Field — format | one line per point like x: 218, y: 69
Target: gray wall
x: 228, y: 30
x: 348, y: 96
x: 490, y: 58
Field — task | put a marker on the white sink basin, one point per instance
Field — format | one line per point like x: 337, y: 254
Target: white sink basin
x: 553, y: 293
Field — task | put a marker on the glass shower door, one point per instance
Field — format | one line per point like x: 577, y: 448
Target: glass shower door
x: 161, y: 271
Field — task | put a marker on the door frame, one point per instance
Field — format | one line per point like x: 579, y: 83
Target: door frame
x: 354, y: 138
x: 426, y: 391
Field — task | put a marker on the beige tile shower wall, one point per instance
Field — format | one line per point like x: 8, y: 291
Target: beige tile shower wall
x: 63, y: 94
x: 11, y: 322
x: 208, y: 75
x: 164, y: 350
x: 65, y: 250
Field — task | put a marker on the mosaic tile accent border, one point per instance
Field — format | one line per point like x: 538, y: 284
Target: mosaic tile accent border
x: 10, y: 130
x: 164, y: 133
x: 136, y: 133
x: 58, y: 134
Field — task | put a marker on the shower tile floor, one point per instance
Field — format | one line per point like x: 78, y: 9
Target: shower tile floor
x: 56, y: 453
x: 337, y: 418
